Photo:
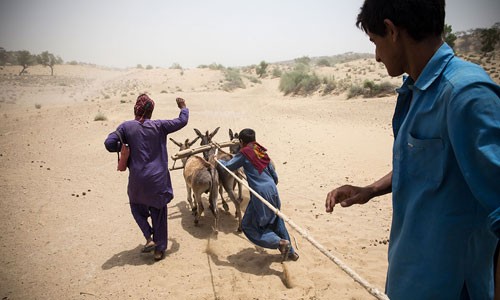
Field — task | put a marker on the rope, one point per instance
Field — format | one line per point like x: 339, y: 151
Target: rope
x: 372, y: 290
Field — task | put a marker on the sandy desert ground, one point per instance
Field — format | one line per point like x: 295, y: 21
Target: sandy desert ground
x: 66, y: 228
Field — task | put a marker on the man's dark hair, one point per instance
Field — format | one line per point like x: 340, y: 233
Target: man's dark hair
x: 420, y: 18
x: 247, y: 135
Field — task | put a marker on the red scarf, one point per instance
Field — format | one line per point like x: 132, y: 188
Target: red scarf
x: 143, y: 108
x: 257, y: 155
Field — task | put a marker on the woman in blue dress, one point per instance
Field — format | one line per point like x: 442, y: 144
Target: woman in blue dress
x: 260, y: 224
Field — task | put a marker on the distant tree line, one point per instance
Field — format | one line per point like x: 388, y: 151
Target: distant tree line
x: 26, y: 59
x: 487, y: 38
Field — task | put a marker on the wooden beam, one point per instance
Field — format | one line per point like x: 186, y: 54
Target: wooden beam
x: 193, y: 151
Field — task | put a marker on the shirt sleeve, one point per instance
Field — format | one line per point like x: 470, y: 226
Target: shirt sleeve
x: 235, y: 162
x: 173, y: 125
x: 474, y: 129
x: 273, y: 173
x: 112, y: 142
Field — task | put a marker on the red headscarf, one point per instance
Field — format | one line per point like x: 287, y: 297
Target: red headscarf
x: 257, y: 155
x: 143, y: 108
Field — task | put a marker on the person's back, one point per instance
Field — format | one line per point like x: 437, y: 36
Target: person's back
x: 149, y: 185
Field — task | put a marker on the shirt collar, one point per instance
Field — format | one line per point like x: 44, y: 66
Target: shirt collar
x: 434, y: 67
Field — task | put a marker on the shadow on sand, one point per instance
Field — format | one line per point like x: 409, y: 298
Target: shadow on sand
x: 134, y: 257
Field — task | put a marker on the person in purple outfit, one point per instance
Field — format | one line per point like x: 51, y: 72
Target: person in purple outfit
x: 149, y: 184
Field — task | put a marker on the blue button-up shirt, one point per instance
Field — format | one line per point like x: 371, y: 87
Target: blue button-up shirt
x: 445, y: 183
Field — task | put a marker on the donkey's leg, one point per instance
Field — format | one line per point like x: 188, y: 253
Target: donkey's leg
x: 190, y: 199
x: 199, y: 206
x: 224, y: 203
x: 228, y: 186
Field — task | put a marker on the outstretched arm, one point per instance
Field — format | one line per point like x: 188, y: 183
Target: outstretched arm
x: 348, y: 195
x: 177, y: 123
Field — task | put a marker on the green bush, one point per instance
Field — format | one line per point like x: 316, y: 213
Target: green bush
x: 233, y: 80
x: 299, y: 83
x: 370, y: 89
x: 323, y: 63
x: 100, y: 117
x: 276, y: 72
x: 261, y: 69
x: 176, y: 66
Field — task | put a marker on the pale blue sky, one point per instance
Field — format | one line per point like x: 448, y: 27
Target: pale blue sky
x: 123, y: 33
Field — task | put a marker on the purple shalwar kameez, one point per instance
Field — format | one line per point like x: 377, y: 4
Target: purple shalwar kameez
x: 149, y: 184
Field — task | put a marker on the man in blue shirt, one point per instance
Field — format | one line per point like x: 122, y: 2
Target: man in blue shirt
x: 445, y: 178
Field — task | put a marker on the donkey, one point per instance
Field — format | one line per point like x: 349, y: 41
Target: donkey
x: 201, y: 177
x: 226, y: 181
x: 233, y: 150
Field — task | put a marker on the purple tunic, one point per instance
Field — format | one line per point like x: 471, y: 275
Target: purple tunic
x: 149, y: 179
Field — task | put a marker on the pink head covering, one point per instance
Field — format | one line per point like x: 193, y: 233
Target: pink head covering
x: 143, y: 108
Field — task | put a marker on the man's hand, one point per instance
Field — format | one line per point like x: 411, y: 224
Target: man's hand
x: 180, y: 103
x: 347, y: 195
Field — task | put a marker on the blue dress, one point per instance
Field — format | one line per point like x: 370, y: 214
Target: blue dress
x: 260, y: 224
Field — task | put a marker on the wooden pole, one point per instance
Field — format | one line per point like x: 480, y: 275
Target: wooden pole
x: 189, y: 152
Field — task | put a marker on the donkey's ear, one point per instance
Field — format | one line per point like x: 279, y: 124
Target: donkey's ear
x: 177, y: 143
x: 231, y: 136
x: 198, y: 132
x: 193, y: 141
x: 214, y: 132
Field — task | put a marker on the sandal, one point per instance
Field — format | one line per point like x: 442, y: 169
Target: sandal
x: 285, y: 250
x: 150, y: 246
x: 159, y: 255
x: 293, y: 256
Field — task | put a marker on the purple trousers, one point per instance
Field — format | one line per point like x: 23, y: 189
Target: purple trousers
x: 159, y: 227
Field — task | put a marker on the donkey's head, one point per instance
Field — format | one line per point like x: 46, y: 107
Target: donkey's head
x: 183, y: 146
x: 234, y: 148
x: 206, y: 139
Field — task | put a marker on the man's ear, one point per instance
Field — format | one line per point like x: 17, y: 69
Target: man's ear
x: 392, y: 30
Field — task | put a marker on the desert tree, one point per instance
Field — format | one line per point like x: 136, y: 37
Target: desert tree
x: 3, y: 56
x: 48, y: 59
x: 24, y: 59
x: 261, y: 69
x: 448, y: 36
x: 323, y: 62
x: 305, y: 60
x: 489, y: 38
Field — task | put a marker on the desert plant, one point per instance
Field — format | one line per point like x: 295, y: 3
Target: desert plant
x: 3, y: 56
x: 100, y: 117
x: 25, y: 59
x: 261, y: 69
x: 489, y: 38
x: 448, y: 36
x: 48, y: 59
x: 149, y: 67
x: 233, y: 80
x: 276, y: 72
x: 370, y: 89
x: 176, y: 66
x: 303, y: 60
x: 38, y: 106
x: 299, y: 83
x: 323, y: 62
